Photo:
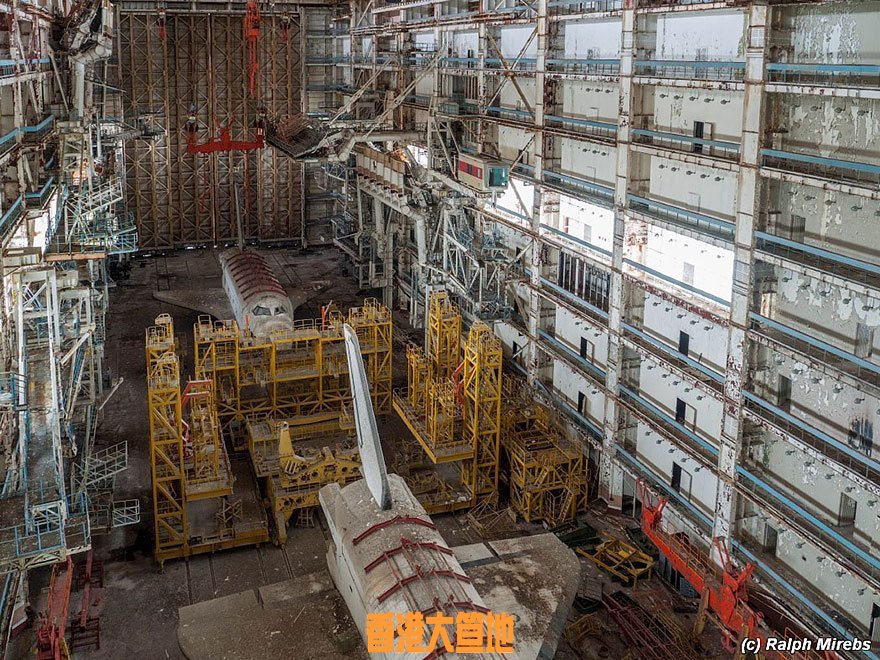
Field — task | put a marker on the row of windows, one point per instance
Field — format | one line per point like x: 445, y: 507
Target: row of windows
x: 584, y: 281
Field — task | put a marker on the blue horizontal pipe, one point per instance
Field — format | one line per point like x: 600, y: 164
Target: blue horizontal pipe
x: 714, y: 375
x: 605, y: 191
x: 696, y: 64
x: 824, y: 68
x: 730, y: 146
x: 602, y: 125
x: 818, y: 343
x: 726, y: 225
x: 819, y: 252
x: 586, y: 364
x: 672, y: 280
x: 821, y: 160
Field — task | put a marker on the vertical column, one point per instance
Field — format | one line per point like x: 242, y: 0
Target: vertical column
x: 536, y: 261
x: 610, y: 482
x: 747, y: 200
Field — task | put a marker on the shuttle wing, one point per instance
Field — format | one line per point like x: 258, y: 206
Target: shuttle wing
x: 372, y: 459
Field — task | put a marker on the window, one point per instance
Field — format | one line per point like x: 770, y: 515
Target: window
x: 587, y: 349
x: 861, y: 435
x: 864, y: 340
x: 583, y: 404
x: 684, y: 342
x: 681, y: 480
x: 783, y: 393
x: 847, y: 513
x: 685, y: 414
x: 798, y: 228
x: 259, y: 310
x: 687, y: 273
x: 588, y: 233
x: 771, y: 536
x: 699, y: 128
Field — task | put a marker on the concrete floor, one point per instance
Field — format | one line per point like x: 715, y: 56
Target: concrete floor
x: 139, y: 603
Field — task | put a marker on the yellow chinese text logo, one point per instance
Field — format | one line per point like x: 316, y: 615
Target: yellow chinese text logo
x: 413, y: 632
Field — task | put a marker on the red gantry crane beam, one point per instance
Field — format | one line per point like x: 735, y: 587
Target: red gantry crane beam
x: 722, y: 588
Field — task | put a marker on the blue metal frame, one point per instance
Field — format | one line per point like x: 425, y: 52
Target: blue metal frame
x: 579, y: 241
x: 678, y: 214
x: 566, y: 180
x: 714, y: 375
x: 675, y: 137
x: 586, y: 364
x: 821, y: 160
x: 818, y: 343
x: 819, y: 252
x: 672, y: 280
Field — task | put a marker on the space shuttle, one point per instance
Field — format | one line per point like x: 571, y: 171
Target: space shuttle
x: 386, y: 554
x: 251, y: 294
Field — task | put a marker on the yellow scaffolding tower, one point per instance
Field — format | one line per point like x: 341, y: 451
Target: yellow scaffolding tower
x: 443, y: 336
x: 481, y: 395
x: 298, y: 372
x: 166, y: 441
x: 548, y: 472
x: 208, y: 473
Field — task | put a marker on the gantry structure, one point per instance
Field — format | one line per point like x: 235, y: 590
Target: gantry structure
x: 199, y: 505
x: 679, y: 265
x: 278, y: 398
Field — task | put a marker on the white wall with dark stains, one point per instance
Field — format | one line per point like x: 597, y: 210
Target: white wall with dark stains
x: 834, y: 32
x: 590, y: 100
x: 825, y: 311
x: 570, y: 328
x: 829, y: 404
x: 818, y: 488
x: 598, y: 40
x: 707, y: 340
x: 662, y: 388
x: 568, y: 383
x: 676, y: 110
x: 844, y: 128
x: 693, y: 187
x: 588, y: 160
x: 660, y: 454
x: 828, y: 579
x: 846, y: 224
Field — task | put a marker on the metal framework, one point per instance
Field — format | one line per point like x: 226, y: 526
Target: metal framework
x: 481, y: 410
x: 293, y: 469
x: 166, y: 441
x: 443, y: 336
x: 200, y: 68
x: 548, y: 472
x: 298, y: 372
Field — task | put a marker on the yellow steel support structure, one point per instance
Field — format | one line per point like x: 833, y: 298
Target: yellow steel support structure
x: 166, y: 441
x: 443, y: 336
x: 372, y: 322
x: 208, y: 473
x: 481, y: 394
x: 548, y: 472
x: 417, y: 378
x: 294, y: 472
x: 299, y: 372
